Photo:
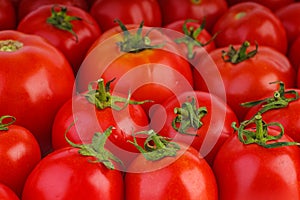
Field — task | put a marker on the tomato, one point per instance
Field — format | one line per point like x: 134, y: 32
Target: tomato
x: 288, y: 15
x: 36, y: 79
x: 8, y: 17
x: 251, y: 171
x: 182, y: 174
x: 211, y: 10
x: 189, y: 109
x: 88, y: 117
x: 138, y: 67
x: 194, y: 40
x: 20, y: 153
x: 53, y: 22
x: 26, y: 6
x: 7, y: 193
x: 293, y: 54
x: 250, y: 21
x: 244, y: 80
x: 271, y: 4
x: 79, y: 172
x: 131, y: 12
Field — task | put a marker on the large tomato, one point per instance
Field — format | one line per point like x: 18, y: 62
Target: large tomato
x: 8, y: 16
x: 68, y: 28
x: 272, y: 4
x: 7, y: 194
x: 211, y: 10
x: 36, y: 79
x: 201, y: 120
x: 169, y: 171
x: 293, y: 54
x: 131, y: 12
x: 241, y: 74
x: 250, y: 21
x: 255, y: 171
x: 79, y: 172
x: 20, y: 152
x: 144, y: 61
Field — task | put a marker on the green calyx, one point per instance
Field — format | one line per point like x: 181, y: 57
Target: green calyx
x: 134, y: 43
x: 190, y: 37
x: 188, y: 116
x: 97, y: 150
x: 10, y: 45
x: 156, y: 147
x: 239, y: 55
x: 102, y: 98
x: 4, y: 126
x: 62, y: 21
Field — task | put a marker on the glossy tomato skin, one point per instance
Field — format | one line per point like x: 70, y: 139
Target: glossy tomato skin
x: 237, y: 83
x: 36, y: 80
x: 250, y: 21
x: 293, y: 54
x: 254, y: 172
x: 132, y: 12
x: 8, y: 16
x: 271, y: 4
x: 65, y: 174
x: 185, y: 176
x: 86, y: 30
x: 20, y: 153
x: 216, y: 128
x: 181, y: 10
x: 26, y: 6
x: 7, y: 194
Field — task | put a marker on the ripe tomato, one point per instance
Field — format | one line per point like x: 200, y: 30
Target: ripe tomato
x: 250, y: 21
x: 182, y: 174
x: 36, y: 79
x: 237, y: 83
x: 203, y: 121
x: 89, y: 118
x: 271, y: 4
x: 26, y: 6
x: 131, y: 12
x: 136, y: 66
x: 6, y: 193
x: 8, y: 16
x: 20, y: 152
x: 68, y: 28
x: 293, y: 54
x: 211, y: 10
x: 251, y: 171
x: 72, y: 173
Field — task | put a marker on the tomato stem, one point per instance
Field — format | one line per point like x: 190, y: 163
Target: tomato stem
x: 4, y: 126
x: 10, y: 45
x: 236, y: 56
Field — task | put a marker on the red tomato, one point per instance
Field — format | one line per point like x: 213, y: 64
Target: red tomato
x: 272, y: 4
x: 131, y: 12
x: 211, y: 10
x: 250, y: 21
x: 289, y: 16
x: 73, y: 41
x: 193, y: 38
x: 293, y: 54
x: 36, y: 79
x: 26, y: 6
x: 255, y: 172
x: 88, y: 119
x: 6, y: 193
x: 8, y: 17
x: 20, y: 152
x: 243, y: 81
x: 66, y: 174
x: 142, y: 71
x: 193, y: 108
x: 182, y: 175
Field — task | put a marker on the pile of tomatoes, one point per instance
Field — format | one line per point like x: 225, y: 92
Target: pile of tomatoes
x: 149, y: 99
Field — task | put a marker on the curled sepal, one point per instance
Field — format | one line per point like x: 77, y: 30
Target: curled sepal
x: 133, y: 43
x: 260, y: 134
x: 4, y: 126
x: 279, y: 99
x: 239, y: 55
x: 188, y: 116
x: 97, y: 150
x: 156, y: 147
x: 62, y: 21
x: 102, y: 98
